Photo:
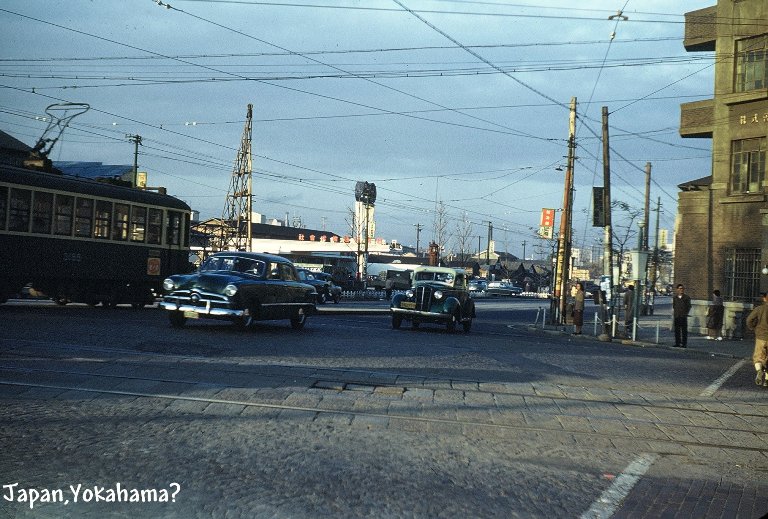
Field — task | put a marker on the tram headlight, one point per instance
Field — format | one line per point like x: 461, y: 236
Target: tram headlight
x: 168, y: 285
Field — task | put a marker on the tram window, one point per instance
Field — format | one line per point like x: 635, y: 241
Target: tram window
x: 138, y: 223
x: 62, y: 214
x: 174, y: 228
x: 120, y: 229
x: 42, y: 213
x: 3, y: 207
x: 103, y: 219
x: 84, y: 217
x: 186, y: 229
x: 155, y: 227
x: 18, y: 216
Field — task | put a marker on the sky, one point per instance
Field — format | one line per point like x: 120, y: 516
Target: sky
x: 463, y: 104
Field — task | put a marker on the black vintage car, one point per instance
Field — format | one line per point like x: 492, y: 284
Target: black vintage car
x: 242, y: 287
x: 438, y: 295
x: 326, y: 290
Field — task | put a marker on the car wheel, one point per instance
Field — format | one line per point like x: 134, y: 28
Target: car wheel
x: 451, y: 324
x: 176, y: 318
x: 298, y: 320
x: 467, y: 325
x: 336, y: 298
x: 397, y: 320
x: 321, y: 298
x: 414, y: 324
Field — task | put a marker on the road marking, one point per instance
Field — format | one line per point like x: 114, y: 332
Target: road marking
x: 714, y: 386
x: 609, y: 501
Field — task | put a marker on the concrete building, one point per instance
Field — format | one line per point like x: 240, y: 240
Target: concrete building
x: 721, y: 237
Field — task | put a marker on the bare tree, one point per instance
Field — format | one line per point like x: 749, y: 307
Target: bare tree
x: 464, y: 229
x: 625, y: 230
x: 440, y: 226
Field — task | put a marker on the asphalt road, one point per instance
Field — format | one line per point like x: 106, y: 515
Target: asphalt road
x: 113, y: 413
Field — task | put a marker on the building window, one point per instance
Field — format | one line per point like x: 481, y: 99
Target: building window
x: 742, y: 275
x: 751, y: 60
x: 748, y: 165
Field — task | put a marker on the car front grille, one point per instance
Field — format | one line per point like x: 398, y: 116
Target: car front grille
x: 423, y: 297
x: 198, y: 299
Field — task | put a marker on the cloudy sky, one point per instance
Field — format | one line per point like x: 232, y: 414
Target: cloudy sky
x: 454, y: 101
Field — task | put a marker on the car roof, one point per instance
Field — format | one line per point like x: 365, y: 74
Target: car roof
x: 271, y: 258
x: 444, y: 270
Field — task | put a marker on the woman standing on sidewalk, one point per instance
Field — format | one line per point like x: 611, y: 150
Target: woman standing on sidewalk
x: 578, y: 308
x: 715, y: 317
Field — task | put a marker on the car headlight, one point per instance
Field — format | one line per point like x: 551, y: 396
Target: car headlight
x: 230, y: 290
x: 438, y: 294
x: 409, y: 293
x: 168, y: 284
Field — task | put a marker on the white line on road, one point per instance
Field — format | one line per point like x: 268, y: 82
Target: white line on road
x: 714, y: 386
x: 609, y: 501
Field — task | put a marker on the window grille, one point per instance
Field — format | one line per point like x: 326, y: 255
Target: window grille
x: 742, y: 275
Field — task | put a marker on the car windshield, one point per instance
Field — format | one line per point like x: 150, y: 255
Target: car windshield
x: 233, y: 263
x: 442, y: 277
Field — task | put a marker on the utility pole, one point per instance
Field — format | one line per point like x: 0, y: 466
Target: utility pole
x: 488, y: 250
x: 419, y: 227
x: 607, y: 236
x: 654, y: 277
x: 524, y: 242
x: 136, y: 140
x: 644, y: 245
x: 564, y: 244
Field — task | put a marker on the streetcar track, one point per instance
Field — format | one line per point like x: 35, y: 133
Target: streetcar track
x: 613, y: 435
x: 314, y: 380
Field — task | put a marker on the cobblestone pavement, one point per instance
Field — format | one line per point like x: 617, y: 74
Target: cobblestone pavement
x: 321, y: 423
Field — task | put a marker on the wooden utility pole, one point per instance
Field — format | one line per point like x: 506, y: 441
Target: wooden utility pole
x: 564, y: 246
x: 607, y: 236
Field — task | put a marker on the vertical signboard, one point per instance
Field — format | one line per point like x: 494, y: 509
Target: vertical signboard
x: 547, y: 225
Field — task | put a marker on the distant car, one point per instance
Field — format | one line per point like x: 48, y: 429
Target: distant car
x: 503, y: 288
x: 477, y: 288
x: 242, y: 287
x: 438, y: 295
x: 334, y: 290
x: 322, y: 286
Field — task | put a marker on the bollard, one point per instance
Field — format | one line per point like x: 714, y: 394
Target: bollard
x: 657, y: 332
x: 596, y: 320
x: 613, y: 326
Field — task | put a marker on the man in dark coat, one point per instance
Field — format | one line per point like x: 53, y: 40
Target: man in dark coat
x: 681, y: 306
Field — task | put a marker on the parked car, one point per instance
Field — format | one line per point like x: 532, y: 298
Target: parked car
x: 477, y: 288
x: 438, y: 295
x: 503, y: 288
x: 322, y: 286
x: 334, y: 290
x: 243, y: 287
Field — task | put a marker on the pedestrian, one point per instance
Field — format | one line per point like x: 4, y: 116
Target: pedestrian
x: 715, y: 317
x: 681, y: 306
x: 578, y: 308
x: 629, y: 309
x: 388, y: 286
x: 757, y: 320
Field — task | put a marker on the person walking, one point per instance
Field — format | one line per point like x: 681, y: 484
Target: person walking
x: 715, y: 314
x: 757, y: 320
x: 681, y: 307
x: 629, y: 310
x: 389, y: 284
x: 578, y: 308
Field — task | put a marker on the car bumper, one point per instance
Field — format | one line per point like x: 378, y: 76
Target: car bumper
x: 202, y: 310
x: 434, y: 316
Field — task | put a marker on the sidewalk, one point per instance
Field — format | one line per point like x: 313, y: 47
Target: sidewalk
x: 656, y: 331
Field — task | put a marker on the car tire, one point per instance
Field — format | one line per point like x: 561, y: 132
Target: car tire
x: 451, y: 323
x: 397, y: 320
x: 321, y: 298
x: 299, y: 319
x: 467, y: 325
x: 414, y: 324
x: 176, y: 318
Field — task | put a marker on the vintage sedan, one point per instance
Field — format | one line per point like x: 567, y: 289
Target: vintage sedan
x: 242, y: 287
x: 438, y: 295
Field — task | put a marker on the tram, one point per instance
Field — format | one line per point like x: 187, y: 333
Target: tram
x: 86, y: 241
